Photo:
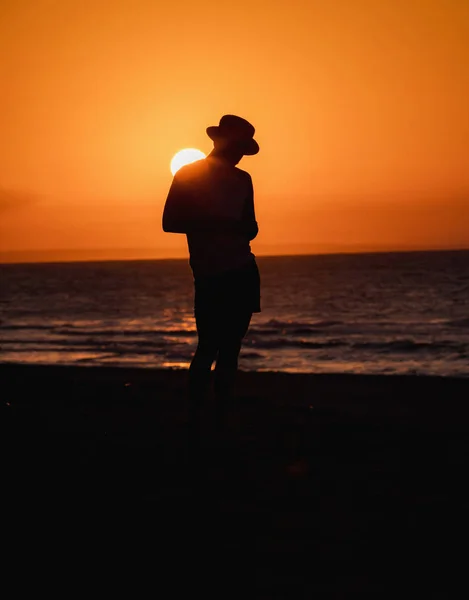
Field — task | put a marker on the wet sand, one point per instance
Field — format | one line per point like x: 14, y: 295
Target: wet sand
x: 328, y: 484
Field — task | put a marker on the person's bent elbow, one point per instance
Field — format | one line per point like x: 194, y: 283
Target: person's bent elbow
x: 166, y: 227
x: 253, y: 230
x: 169, y: 226
x: 173, y: 225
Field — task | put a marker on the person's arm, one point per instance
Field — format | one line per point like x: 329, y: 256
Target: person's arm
x: 175, y: 210
x: 248, y: 222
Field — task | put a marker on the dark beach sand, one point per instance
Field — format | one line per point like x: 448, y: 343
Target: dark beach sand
x: 331, y: 485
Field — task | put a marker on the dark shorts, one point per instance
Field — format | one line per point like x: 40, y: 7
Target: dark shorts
x: 232, y: 292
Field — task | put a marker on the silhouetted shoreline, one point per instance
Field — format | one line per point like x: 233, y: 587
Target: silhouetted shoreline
x: 322, y: 482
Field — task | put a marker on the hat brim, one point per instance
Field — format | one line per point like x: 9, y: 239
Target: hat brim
x: 249, y: 146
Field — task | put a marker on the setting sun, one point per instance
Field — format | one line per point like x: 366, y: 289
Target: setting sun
x: 185, y: 157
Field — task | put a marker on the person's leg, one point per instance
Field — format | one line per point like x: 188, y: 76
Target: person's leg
x: 200, y: 368
x: 227, y: 361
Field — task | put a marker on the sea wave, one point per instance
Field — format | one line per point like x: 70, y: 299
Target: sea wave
x: 291, y: 343
x: 464, y: 322
x: 85, y: 331
x: 407, y: 345
x: 14, y: 327
x: 353, y: 326
x: 289, y: 325
x: 273, y: 327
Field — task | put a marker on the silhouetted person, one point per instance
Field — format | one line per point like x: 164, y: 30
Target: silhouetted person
x: 211, y: 201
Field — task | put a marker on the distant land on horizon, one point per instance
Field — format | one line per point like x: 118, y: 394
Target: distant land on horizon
x: 122, y: 254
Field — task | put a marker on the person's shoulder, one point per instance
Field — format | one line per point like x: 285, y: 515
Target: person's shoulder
x: 191, y: 171
x: 243, y: 174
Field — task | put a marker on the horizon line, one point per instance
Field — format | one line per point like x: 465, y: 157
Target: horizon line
x: 298, y: 253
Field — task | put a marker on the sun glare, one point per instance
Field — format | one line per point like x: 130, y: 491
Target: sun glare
x: 185, y: 157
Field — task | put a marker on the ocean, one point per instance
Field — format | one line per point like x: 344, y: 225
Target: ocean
x: 390, y: 313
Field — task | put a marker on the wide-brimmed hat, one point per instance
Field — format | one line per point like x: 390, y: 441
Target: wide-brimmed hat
x: 237, y: 130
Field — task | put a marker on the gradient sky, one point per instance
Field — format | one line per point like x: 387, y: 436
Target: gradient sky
x: 360, y: 110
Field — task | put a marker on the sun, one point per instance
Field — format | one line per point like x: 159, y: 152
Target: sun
x: 185, y: 157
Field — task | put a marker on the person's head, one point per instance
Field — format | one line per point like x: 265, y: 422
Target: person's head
x: 233, y: 138
x: 230, y: 151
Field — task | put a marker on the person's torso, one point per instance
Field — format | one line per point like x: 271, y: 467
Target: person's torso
x: 220, y: 191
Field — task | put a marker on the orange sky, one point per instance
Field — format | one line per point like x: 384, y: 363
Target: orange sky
x: 360, y: 109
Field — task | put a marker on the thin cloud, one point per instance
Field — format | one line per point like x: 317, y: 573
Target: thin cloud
x: 14, y: 199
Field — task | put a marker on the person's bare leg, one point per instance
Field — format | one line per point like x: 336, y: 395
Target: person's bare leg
x: 227, y: 365
x: 225, y: 377
x: 199, y: 381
